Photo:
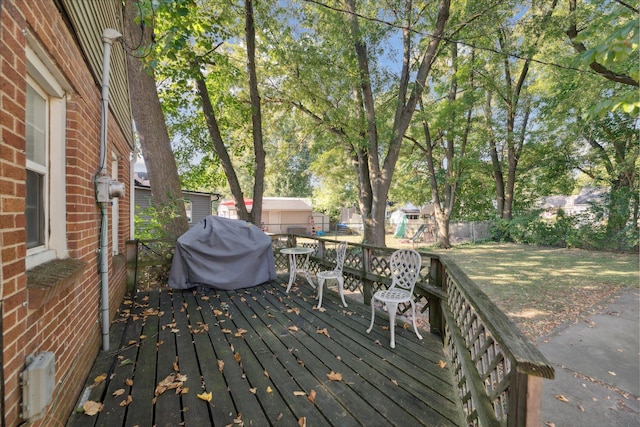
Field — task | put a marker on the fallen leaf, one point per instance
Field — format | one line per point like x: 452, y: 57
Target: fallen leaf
x: 561, y: 398
x: 293, y: 328
x: 226, y: 331
x: 181, y: 377
x: 91, y: 408
x: 299, y: 393
x: 334, y: 376
x: 269, y: 389
x: 442, y: 364
x: 204, y: 298
x: 99, y: 378
x: 395, y: 382
x: 126, y: 362
x: 127, y: 401
x: 323, y: 332
x: 128, y: 382
x: 118, y: 392
x: 237, y: 357
x: 218, y: 312
x: 220, y: 365
x: 143, y: 337
x: 550, y: 424
x: 266, y: 374
x: 612, y: 373
x: 279, y: 417
x: 205, y: 396
x: 176, y: 367
x: 253, y: 390
x: 302, y: 422
x: 312, y: 396
x: 159, y: 343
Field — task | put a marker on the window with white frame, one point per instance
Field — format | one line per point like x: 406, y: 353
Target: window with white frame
x: 45, y: 153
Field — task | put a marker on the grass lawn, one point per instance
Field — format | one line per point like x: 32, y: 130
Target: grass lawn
x: 539, y: 288
x: 542, y: 288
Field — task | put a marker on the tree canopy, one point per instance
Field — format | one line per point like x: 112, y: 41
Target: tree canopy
x: 480, y: 107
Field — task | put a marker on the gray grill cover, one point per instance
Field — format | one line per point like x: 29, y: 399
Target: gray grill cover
x: 222, y: 253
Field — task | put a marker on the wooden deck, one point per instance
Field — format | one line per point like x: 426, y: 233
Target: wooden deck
x: 277, y: 351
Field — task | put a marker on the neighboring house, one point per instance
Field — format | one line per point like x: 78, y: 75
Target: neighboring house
x: 572, y: 205
x: 197, y: 205
x: 51, y: 310
x: 282, y: 215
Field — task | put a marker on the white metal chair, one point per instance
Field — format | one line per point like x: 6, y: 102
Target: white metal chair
x: 405, y: 269
x: 336, y: 274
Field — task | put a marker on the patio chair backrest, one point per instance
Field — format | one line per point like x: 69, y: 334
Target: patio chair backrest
x: 341, y: 251
x: 405, y: 269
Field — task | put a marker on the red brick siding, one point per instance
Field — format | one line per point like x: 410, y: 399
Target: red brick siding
x: 69, y: 324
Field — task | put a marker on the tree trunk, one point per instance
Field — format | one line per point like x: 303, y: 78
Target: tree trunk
x: 219, y: 147
x: 379, y: 176
x: 256, y: 117
x: 152, y: 132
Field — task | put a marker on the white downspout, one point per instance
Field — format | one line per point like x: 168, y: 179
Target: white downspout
x: 104, y: 184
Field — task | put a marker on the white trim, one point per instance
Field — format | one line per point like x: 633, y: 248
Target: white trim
x: 41, y: 77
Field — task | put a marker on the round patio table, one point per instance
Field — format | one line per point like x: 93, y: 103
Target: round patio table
x: 298, y: 266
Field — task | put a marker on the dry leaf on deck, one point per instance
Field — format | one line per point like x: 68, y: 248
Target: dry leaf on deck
x: 299, y: 393
x: 334, y: 376
x: 127, y: 401
x: 128, y: 382
x: 218, y: 312
x: 237, y: 357
x: 220, y: 365
x: 293, y: 328
x: 226, y: 331
x: 561, y: 398
x: 269, y: 389
x: 312, y: 396
x: 118, y: 392
x: 99, y: 378
x: 91, y: 408
x: 205, y: 396
x: 253, y: 390
x: 323, y: 332
x: 395, y: 382
x: 302, y: 422
x: 176, y: 367
x: 204, y: 298
x: 266, y: 374
x: 442, y: 364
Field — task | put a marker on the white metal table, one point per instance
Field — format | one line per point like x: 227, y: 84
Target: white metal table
x: 294, y: 266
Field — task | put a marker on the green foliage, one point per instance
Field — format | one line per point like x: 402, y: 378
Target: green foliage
x: 585, y: 231
x: 150, y: 222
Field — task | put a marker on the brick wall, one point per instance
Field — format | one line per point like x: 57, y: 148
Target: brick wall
x: 68, y: 324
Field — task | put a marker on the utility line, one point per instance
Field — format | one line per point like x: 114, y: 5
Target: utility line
x: 449, y: 40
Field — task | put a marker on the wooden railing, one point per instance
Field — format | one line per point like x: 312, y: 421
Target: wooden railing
x: 497, y: 371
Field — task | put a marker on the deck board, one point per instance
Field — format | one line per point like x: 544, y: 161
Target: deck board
x: 275, y: 355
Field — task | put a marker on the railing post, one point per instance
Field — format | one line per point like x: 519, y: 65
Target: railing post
x: 525, y: 401
x: 436, y: 320
x: 367, y: 291
x: 132, y: 257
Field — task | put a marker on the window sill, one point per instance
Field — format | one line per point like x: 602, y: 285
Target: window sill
x: 48, y: 279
